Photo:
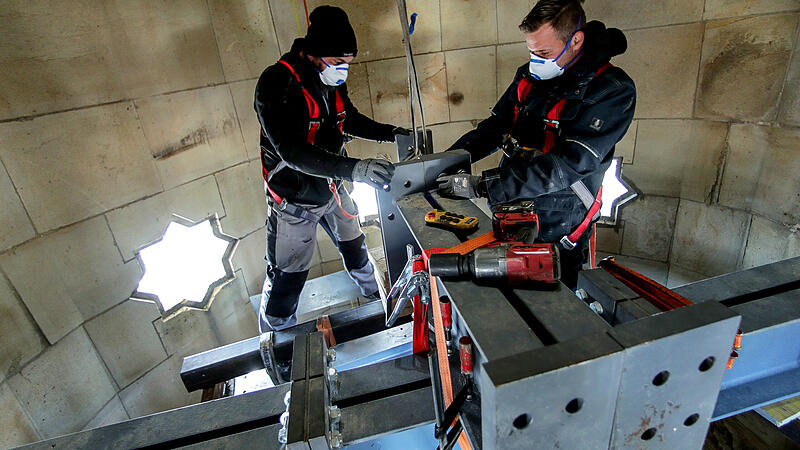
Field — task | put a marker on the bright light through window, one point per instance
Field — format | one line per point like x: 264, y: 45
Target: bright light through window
x: 186, y: 265
x: 364, y: 196
x: 615, y: 192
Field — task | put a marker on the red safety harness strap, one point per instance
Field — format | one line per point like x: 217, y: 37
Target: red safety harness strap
x: 313, y: 127
x: 523, y: 89
x: 552, y: 125
x: 335, y: 192
x: 570, y: 241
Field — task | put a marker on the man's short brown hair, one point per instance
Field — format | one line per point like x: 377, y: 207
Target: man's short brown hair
x: 563, y: 15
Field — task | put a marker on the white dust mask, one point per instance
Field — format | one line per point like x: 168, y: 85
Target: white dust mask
x: 545, y: 69
x: 334, y: 75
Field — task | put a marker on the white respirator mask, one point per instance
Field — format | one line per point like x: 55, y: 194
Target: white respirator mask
x: 546, y: 69
x: 334, y: 75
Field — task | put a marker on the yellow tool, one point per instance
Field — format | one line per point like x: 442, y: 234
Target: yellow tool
x: 450, y: 220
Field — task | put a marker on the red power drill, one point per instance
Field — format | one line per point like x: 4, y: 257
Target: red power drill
x: 516, y: 260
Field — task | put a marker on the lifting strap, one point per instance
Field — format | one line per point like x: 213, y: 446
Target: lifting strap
x: 552, y: 124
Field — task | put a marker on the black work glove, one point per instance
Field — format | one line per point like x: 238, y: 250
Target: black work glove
x: 462, y: 185
x: 375, y: 172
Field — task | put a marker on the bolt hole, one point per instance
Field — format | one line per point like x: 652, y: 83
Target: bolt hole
x: 661, y: 378
x: 522, y: 421
x: 390, y: 216
x: 706, y: 364
x: 574, y: 405
x: 407, y: 184
x: 648, y: 434
x: 691, y: 420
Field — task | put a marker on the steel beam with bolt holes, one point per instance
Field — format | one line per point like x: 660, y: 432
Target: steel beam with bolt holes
x: 224, y: 363
x: 549, y: 345
x: 414, y: 176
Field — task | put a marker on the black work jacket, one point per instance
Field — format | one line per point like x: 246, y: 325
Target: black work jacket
x: 596, y: 116
x: 298, y: 171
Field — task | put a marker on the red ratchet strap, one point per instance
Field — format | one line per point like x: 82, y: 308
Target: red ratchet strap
x: 324, y: 325
x: 420, y: 343
x: 662, y: 298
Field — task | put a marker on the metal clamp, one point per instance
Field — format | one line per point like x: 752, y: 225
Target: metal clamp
x: 408, y: 285
x: 267, y: 348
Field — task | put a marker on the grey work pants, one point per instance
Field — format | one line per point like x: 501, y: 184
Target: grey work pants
x: 291, y: 242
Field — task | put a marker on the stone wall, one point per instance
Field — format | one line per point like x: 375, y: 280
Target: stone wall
x: 114, y: 115
x: 715, y: 140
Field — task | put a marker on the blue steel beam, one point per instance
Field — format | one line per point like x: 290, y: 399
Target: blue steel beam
x: 768, y: 367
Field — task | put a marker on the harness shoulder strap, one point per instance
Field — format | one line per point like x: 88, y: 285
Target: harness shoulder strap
x: 341, y: 114
x: 523, y: 89
x: 313, y: 107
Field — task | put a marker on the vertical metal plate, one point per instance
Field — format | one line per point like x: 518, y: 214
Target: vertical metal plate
x: 417, y: 175
x: 560, y: 396
x: 669, y: 384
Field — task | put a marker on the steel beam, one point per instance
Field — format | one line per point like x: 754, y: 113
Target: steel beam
x: 373, y: 419
x: 224, y: 363
x: 212, y: 421
x: 381, y: 377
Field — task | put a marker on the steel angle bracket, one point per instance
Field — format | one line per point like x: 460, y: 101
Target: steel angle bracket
x: 267, y: 348
x: 410, y: 177
x: 673, y: 364
x: 560, y: 395
x: 413, y: 282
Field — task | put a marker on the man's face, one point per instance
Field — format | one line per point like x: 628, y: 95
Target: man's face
x: 546, y: 44
x: 319, y: 63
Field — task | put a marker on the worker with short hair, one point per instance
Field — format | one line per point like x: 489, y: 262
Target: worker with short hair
x: 306, y: 117
x: 557, y: 125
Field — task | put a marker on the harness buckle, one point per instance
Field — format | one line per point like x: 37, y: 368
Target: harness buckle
x: 566, y: 243
x: 511, y: 148
x: 552, y: 122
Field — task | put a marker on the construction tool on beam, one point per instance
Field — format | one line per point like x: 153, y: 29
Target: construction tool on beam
x: 511, y: 257
x: 658, y: 295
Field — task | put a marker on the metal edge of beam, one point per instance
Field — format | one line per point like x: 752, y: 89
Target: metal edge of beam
x: 381, y: 377
x: 223, y: 363
x: 200, y: 422
x: 388, y: 415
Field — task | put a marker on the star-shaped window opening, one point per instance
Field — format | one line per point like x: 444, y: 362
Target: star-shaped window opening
x: 186, y: 267
x: 616, y: 192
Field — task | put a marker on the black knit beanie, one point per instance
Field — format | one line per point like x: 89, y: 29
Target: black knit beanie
x: 330, y: 33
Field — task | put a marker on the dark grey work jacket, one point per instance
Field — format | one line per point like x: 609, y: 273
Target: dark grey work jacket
x: 596, y: 116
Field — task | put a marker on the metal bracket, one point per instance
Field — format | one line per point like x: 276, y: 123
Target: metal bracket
x: 409, y: 285
x: 267, y: 349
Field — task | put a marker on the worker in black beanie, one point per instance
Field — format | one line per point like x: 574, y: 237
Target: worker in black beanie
x: 306, y: 118
x: 330, y: 33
